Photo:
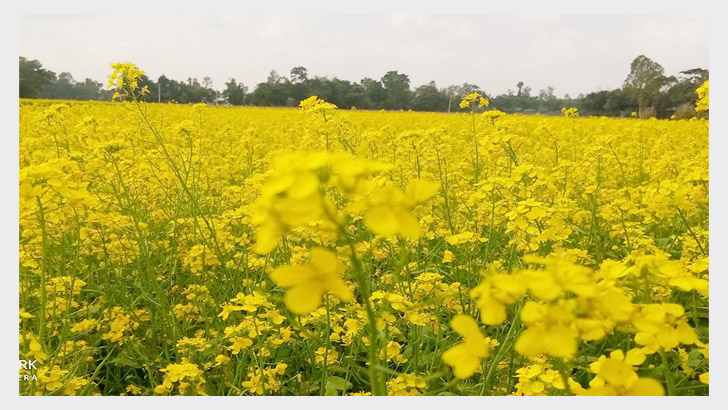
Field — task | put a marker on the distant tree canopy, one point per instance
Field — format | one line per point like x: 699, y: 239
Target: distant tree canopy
x: 37, y: 82
x: 646, y: 90
x: 644, y: 81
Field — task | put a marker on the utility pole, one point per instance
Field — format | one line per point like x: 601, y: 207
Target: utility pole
x: 159, y: 92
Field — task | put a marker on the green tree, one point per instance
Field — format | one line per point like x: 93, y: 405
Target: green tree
x: 644, y: 81
x: 428, y: 98
x: 299, y: 75
x: 32, y: 77
x: 273, y: 93
x: 374, y: 93
x: 299, y: 87
x: 526, y: 92
x: 234, y: 93
x: 61, y: 88
x: 398, y: 89
x: 169, y: 90
x: 546, y: 94
x: 66, y: 88
x: 681, y: 91
x: 193, y: 92
x: 90, y: 90
x: 618, y: 104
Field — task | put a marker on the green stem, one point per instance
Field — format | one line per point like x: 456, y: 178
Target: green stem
x: 475, y: 142
x: 561, y: 366
x: 43, y: 268
x: 487, y: 386
x: 668, y: 374
x: 687, y: 225
x: 377, y: 383
x: 328, y: 346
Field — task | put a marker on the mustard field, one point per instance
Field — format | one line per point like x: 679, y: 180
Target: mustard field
x: 172, y: 249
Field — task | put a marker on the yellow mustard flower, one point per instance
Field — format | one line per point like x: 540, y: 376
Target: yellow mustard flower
x: 306, y: 284
x: 465, y: 357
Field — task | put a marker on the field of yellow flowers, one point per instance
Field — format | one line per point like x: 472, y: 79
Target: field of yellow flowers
x: 194, y: 250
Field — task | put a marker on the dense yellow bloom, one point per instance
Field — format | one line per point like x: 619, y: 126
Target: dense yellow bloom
x: 198, y: 247
x: 84, y: 325
x: 120, y: 324
x: 615, y: 376
x: 406, y: 385
x: 315, y: 104
x: 51, y: 377
x: 182, y: 374
x: 306, y: 284
x: 537, y: 378
x: 265, y: 381
x: 703, y: 103
x: 461, y: 238
x: 240, y: 343
x: 388, y: 209
x: 470, y: 99
x: 549, y: 330
x: 559, y: 276
x: 570, y: 112
x: 133, y: 389
x: 494, y: 293
x: 393, y: 352
x: 74, y: 385
x: 663, y: 326
x: 292, y: 196
x: 465, y: 357
x: 322, y: 354
x: 25, y: 315
x: 35, y: 349
x: 125, y: 79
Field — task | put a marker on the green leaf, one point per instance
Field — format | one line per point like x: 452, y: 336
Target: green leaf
x: 123, y: 359
x: 337, y: 383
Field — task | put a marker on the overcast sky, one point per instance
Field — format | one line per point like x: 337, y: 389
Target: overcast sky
x: 572, y: 53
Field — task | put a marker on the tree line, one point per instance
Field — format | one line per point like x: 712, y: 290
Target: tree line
x: 647, y: 91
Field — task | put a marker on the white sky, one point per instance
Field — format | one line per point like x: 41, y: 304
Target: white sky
x: 573, y: 53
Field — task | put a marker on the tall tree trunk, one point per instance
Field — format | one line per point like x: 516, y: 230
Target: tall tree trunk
x: 641, y: 103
